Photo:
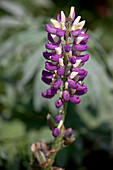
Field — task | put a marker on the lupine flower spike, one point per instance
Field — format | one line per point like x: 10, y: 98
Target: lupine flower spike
x: 64, y: 75
x: 65, y: 38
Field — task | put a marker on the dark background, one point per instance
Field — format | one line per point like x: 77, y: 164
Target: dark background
x: 22, y: 109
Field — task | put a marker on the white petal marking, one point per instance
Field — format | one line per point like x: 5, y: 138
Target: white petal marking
x: 72, y: 12
x: 55, y: 23
x: 79, y: 39
x: 63, y: 18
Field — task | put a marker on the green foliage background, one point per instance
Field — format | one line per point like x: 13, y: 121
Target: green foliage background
x: 22, y: 109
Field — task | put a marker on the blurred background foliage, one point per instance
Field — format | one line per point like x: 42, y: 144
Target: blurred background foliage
x: 22, y: 109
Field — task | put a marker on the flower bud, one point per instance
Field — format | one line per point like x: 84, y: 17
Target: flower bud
x: 67, y: 48
x: 66, y: 95
x: 51, y: 122
x: 58, y: 103
x: 75, y: 99
x: 40, y: 157
x: 55, y: 132
x: 58, y: 118
x: 68, y: 133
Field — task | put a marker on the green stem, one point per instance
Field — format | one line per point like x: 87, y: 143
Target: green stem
x: 57, y: 144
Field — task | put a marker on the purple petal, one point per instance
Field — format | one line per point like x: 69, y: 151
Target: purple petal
x: 83, y: 42
x: 78, y: 92
x: 50, y: 46
x: 60, y: 32
x: 47, y: 74
x: 47, y: 55
x: 51, y: 91
x: 50, y: 66
x: 51, y: 29
x: 80, y: 71
x: 75, y: 99
x: 47, y: 81
x: 66, y: 96
x: 55, y: 58
x: 58, y: 18
x: 68, y: 133
x: 76, y: 33
x: 50, y: 38
x: 58, y: 103
x: 58, y: 118
x: 57, y: 84
x: 72, y: 60
x: 84, y: 58
x: 72, y: 84
x: 80, y: 47
x: 73, y: 16
x: 81, y: 78
x: 45, y: 95
x: 55, y: 132
x: 60, y: 71
x: 67, y: 48
x: 80, y: 87
x: 85, y: 36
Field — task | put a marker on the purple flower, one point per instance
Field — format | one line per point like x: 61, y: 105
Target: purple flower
x: 76, y: 33
x: 51, y: 91
x: 47, y: 81
x: 50, y: 66
x: 81, y: 92
x: 60, y: 33
x: 58, y: 118
x: 72, y: 84
x: 55, y: 132
x: 80, y: 48
x: 47, y: 55
x: 57, y: 84
x: 55, y: 58
x: 75, y: 99
x: 67, y: 48
x: 45, y: 95
x: 64, y: 71
x: 80, y: 87
x: 60, y: 71
x: 51, y: 29
x: 58, y: 103
x: 50, y: 46
x: 47, y: 74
